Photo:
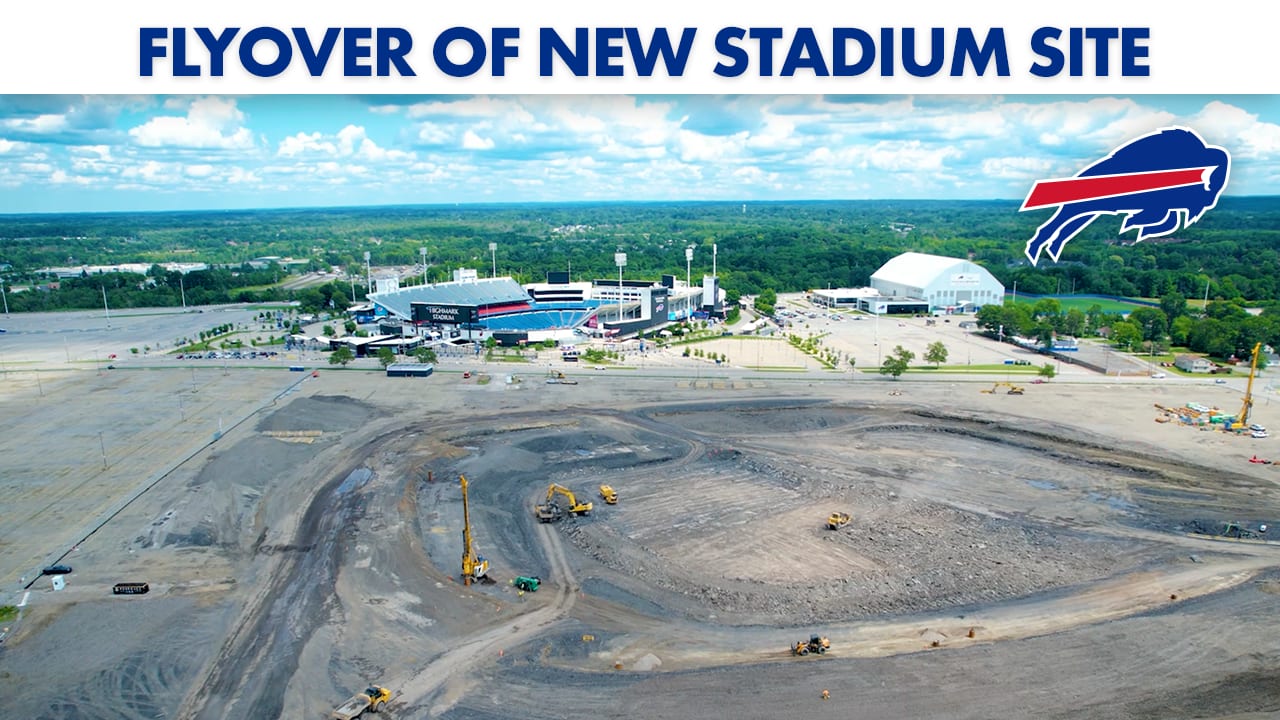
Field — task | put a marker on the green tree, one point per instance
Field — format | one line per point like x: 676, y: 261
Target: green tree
x: 1125, y: 334
x: 1153, y: 321
x: 1074, y: 323
x: 386, y: 356
x: 350, y: 326
x: 425, y: 355
x: 1047, y: 371
x: 329, y: 331
x: 766, y: 301
x: 1174, y: 305
x: 341, y: 356
x: 936, y: 353
x: 897, y: 362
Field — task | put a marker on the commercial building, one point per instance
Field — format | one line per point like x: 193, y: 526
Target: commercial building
x: 941, y: 283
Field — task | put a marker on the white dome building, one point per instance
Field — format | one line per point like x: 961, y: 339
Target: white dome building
x: 943, y: 282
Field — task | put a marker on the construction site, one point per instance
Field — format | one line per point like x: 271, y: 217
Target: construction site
x: 642, y: 544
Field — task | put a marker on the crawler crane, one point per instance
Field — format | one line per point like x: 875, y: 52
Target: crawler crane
x: 474, y: 567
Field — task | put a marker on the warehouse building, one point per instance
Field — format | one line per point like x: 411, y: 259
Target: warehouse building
x: 943, y: 283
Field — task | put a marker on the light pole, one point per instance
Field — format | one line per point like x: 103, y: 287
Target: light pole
x: 1015, y: 292
x: 368, y: 273
x: 493, y: 254
x: 6, y: 298
x: 688, y: 277
x: 423, y: 252
x: 182, y: 288
x: 620, y: 258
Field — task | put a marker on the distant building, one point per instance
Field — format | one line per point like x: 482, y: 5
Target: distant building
x: 944, y: 283
x: 1192, y: 363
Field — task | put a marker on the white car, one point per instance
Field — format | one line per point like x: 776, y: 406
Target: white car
x: 1159, y: 376
x: 1257, y: 428
x: 1259, y: 434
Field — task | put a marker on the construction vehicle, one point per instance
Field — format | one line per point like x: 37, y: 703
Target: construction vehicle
x: 837, y: 520
x: 525, y: 583
x: 474, y: 567
x: 555, y: 377
x: 1013, y: 389
x: 1242, y: 420
x: 551, y: 510
x: 610, y: 496
x: 817, y: 644
x: 372, y: 699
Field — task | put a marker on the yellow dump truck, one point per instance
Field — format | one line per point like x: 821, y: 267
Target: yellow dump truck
x: 610, y: 496
x: 837, y: 520
x: 372, y: 699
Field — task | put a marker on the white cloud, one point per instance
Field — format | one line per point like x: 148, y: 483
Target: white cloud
x: 1241, y: 130
x: 214, y: 123
x: 472, y: 141
x: 40, y: 124
x: 305, y: 143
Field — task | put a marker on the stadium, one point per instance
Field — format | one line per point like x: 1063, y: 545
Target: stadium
x: 471, y: 308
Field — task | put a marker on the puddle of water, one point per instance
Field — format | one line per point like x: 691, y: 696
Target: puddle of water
x: 355, y: 480
x: 1044, y: 485
x: 1115, y: 503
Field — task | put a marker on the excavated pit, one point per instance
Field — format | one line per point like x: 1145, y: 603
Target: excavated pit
x: 723, y: 508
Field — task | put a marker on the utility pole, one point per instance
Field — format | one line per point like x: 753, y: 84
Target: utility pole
x: 621, y: 259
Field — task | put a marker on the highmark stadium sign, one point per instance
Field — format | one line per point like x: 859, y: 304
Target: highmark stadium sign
x: 444, y: 314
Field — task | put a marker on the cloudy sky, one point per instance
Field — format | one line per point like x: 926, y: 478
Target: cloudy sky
x: 176, y: 153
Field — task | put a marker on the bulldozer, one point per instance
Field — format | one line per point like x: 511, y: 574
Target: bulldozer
x: 817, y: 644
x: 610, y: 496
x: 551, y: 510
x: 837, y: 520
x: 1013, y: 389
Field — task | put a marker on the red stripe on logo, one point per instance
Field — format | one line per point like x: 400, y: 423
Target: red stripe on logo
x: 1047, y: 193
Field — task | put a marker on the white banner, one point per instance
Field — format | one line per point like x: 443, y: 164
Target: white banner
x: 656, y: 47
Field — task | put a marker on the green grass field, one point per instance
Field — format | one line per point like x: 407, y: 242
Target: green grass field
x: 1084, y: 303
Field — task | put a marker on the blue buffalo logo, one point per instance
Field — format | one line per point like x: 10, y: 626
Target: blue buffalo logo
x: 1160, y: 182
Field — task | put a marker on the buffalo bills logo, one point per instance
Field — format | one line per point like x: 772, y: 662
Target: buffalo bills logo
x: 1159, y: 182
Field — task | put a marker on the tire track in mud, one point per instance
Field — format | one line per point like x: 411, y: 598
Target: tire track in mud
x: 447, y: 673
x: 261, y: 653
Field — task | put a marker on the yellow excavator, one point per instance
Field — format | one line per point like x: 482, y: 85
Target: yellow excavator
x: 474, y: 567
x: 1013, y: 389
x: 1242, y: 420
x: 551, y: 510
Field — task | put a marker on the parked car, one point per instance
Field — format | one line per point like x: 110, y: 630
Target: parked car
x: 1220, y: 381
x: 1159, y: 375
x: 56, y: 570
x: 1257, y: 428
x: 1260, y: 434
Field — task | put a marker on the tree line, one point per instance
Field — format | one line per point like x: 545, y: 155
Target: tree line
x: 1231, y: 255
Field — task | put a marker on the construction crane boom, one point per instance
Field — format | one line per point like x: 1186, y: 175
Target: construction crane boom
x: 473, y: 566
x: 1242, y: 420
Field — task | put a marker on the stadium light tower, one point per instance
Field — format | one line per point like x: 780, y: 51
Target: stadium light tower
x: 368, y: 273
x: 620, y: 258
x: 423, y: 252
x: 493, y: 253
